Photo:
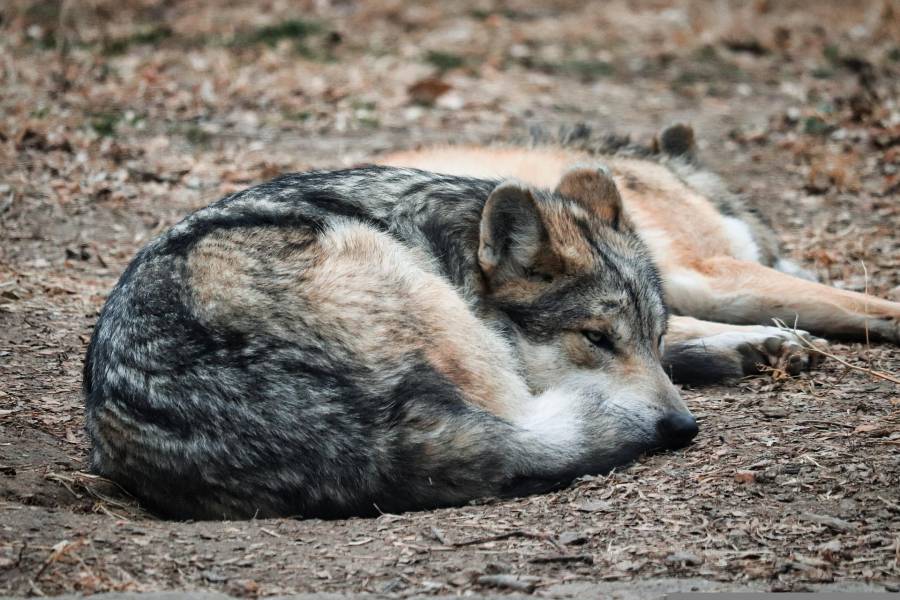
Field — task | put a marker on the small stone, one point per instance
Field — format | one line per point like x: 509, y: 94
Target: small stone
x: 767, y: 475
x: 392, y: 586
x: 773, y: 412
x: 214, y: 576
x: 451, y: 101
x: 684, y: 557
x: 464, y: 578
x: 592, y: 506
x: 492, y: 568
x: 572, y: 538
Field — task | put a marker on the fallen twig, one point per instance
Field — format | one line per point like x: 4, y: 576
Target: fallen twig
x: 825, y: 423
x: 891, y: 505
x: 829, y: 521
x: 58, y: 550
x: 65, y: 482
x: 504, y: 536
x: 81, y: 479
x: 563, y: 558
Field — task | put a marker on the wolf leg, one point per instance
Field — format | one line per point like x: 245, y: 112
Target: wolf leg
x: 735, y: 291
x: 702, y: 352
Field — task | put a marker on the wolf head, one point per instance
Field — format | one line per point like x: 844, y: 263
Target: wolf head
x: 586, y: 305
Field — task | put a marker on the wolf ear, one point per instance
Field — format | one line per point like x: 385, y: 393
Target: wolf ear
x: 676, y: 141
x: 512, y: 232
x: 596, y: 192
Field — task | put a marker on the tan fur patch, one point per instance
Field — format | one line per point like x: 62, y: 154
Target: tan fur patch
x: 362, y: 289
x: 762, y: 293
x: 417, y: 312
x: 222, y: 270
x: 519, y: 290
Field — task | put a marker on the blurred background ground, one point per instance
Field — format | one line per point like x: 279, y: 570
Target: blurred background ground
x: 118, y: 118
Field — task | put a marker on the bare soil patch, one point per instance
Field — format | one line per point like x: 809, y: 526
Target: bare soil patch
x: 118, y: 118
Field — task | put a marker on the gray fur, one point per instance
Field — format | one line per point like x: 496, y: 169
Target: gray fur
x: 256, y: 402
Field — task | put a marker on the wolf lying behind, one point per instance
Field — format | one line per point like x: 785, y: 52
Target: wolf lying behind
x: 385, y: 338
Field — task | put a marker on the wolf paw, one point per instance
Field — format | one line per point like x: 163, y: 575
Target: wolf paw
x: 891, y: 325
x: 782, y: 350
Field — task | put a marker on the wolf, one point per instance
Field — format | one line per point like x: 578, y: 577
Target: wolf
x: 398, y: 337
x: 381, y: 339
x: 724, y: 278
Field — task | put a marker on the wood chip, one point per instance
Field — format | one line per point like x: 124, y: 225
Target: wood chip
x: 563, y: 558
x: 829, y: 521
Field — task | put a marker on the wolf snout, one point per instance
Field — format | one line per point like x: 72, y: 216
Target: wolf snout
x: 676, y: 430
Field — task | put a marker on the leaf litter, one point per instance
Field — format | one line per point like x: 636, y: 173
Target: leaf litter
x: 119, y: 118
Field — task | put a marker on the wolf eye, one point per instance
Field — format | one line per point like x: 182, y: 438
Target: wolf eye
x: 599, y: 340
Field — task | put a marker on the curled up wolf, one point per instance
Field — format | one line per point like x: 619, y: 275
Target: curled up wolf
x: 451, y: 324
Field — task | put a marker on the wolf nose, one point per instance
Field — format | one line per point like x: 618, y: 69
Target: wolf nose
x: 676, y: 430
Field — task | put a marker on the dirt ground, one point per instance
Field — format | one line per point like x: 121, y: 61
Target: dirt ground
x: 118, y: 118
